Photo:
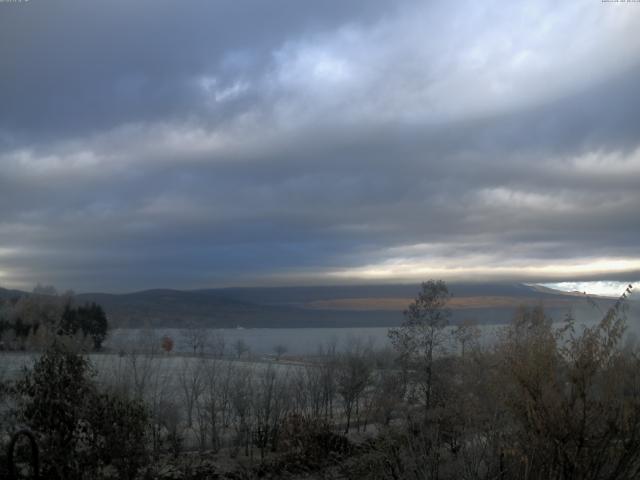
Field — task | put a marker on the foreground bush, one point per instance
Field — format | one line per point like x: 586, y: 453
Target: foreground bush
x: 82, y: 433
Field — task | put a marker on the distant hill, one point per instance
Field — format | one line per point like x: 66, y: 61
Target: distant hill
x: 220, y: 308
x: 6, y: 294
x: 328, y: 306
x: 303, y: 295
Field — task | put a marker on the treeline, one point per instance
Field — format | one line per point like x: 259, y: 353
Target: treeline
x: 544, y: 401
x: 29, y: 322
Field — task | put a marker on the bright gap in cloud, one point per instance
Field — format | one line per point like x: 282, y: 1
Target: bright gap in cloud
x: 605, y: 288
x: 404, y: 269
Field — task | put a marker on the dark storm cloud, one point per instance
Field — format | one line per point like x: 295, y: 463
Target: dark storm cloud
x: 71, y: 66
x: 199, y: 143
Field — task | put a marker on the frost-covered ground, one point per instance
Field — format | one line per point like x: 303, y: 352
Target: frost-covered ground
x: 113, y: 366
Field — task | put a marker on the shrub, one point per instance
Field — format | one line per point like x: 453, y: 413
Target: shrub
x: 80, y: 431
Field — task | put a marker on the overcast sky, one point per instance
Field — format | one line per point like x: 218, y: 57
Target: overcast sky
x: 166, y: 143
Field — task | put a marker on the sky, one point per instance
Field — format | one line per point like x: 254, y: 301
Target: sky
x: 192, y: 144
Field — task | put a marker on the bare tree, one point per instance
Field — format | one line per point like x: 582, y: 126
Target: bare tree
x: 191, y: 382
x: 160, y: 397
x: 240, y: 347
x: 353, y: 376
x: 280, y: 350
x: 196, y: 338
x: 270, y: 405
x: 213, y: 402
x: 240, y: 396
x: 217, y: 344
x: 387, y: 395
x: 422, y: 333
x: 327, y: 360
x: 309, y: 387
x: 466, y: 334
x: 141, y: 356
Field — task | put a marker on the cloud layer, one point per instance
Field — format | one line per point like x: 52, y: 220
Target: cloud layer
x: 188, y: 144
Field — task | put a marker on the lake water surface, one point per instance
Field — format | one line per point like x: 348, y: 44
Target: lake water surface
x: 263, y: 341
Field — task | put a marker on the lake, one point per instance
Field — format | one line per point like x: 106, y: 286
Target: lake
x: 263, y: 341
